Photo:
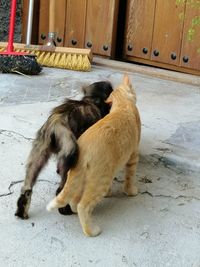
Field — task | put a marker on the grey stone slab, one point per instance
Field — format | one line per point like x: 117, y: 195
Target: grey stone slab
x: 159, y: 227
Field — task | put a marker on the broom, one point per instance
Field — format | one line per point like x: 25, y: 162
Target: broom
x: 59, y: 57
x: 17, y: 62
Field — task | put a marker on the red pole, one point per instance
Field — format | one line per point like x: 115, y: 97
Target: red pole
x: 10, y: 46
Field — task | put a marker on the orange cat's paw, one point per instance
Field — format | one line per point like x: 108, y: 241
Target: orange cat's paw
x: 131, y: 191
x: 92, y: 231
x: 51, y: 205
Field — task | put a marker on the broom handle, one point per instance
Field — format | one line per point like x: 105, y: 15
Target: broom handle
x: 52, y: 15
x: 10, y: 46
x: 30, y: 22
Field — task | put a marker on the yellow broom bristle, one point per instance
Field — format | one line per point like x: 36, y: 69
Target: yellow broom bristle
x: 64, y: 61
x: 69, y: 60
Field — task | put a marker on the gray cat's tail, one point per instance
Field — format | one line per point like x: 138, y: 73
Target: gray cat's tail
x: 63, y: 143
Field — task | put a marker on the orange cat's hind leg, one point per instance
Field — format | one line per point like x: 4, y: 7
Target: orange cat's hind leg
x: 109, y: 193
x: 129, y: 186
x: 58, y: 202
x: 88, y: 226
x: 75, y: 200
x: 73, y: 184
x: 93, y: 194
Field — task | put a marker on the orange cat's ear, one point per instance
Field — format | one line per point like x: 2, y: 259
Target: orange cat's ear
x: 109, y: 100
x: 126, y: 80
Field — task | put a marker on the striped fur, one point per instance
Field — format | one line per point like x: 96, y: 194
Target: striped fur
x: 58, y: 136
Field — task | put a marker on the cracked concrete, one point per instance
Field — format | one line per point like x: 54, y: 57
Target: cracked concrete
x: 159, y: 227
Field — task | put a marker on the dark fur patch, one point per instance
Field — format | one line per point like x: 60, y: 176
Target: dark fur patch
x: 66, y: 210
x: 73, y: 156
x: 54, y: 144
x: 82, y: 117
x: 21, y: 204
x: 67, y: 162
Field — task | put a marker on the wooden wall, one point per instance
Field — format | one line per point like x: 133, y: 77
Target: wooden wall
x: 164, y: 33
x: 81, y: 23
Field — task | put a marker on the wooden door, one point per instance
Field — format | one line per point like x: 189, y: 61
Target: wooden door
x: 139, y: 28
x: 167, y: 36
x: 190, y: 53
x: 81, y: 23
x: 75, y: 23
x: 60, y: 12
x: 101, y: 22
x: 168, y: 31
x: 43, y: 21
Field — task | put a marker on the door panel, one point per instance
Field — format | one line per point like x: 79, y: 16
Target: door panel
x: 190, y: 54
x: 167, y: 34
x: 43, y: 21
x: 59, y: 21
x: 75, y: 23
x: 101, y: 24
x: 139, y: 28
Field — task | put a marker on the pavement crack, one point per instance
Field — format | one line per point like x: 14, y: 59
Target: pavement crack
x: 13, y: 183
x: 169, y: 196
x: 10, y: 187
x: 2, y: 131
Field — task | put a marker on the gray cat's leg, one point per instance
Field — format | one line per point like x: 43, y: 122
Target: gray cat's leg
x: 37, y: 159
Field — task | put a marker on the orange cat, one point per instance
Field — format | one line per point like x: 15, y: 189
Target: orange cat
x: 105, y: 148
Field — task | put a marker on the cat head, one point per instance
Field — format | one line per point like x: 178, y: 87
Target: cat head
x: 124, y: 89
x: 97, y: 93
x: 100, y: 90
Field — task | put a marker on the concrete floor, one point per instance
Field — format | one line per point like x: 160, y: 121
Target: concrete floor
x: 159, y: 227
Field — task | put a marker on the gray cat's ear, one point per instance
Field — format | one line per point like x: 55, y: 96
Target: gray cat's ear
x: 87, y: 89
x: 84, y: 89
